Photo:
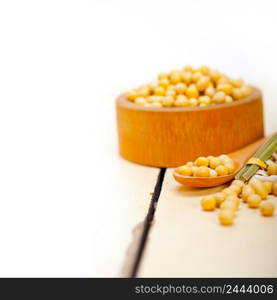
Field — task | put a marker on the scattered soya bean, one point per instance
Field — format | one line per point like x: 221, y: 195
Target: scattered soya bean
x: 219, y: 198
x: 238, y: 182
x: 268, y: 185
x: 226, y: 217
x: 213, y: 173
x: 228, y: 191
x: 234, y: 199
x: 228, y: 201
x: 254, y: 201
x: 259, y: 188
x: 267, y: 208
x: 247, y: 190
x: 208, y: 203
x: 229, y: 205
x: 235, y: 188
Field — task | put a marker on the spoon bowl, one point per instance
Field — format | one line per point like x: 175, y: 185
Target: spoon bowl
x: 206, y: 181
x: 239, y: 157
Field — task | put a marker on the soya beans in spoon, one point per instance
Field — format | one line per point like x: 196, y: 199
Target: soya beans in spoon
x: 208, y: 167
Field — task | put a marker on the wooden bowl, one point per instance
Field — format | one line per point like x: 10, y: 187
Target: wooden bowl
x: 169, y: 137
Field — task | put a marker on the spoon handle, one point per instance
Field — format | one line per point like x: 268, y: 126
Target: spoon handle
x: 243, y: 154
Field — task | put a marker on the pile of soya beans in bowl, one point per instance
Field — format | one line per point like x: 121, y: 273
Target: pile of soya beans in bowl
x: 258, y: 193
x: 190, y: 87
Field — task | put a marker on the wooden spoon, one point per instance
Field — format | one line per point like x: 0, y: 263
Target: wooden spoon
x: 239, y: 157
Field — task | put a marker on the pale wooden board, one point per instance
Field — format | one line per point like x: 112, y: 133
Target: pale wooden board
x: 187, y: 242
x: 62, y: 183
x: 127, y: 202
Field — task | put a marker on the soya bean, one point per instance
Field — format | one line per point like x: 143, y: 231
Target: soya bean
x: 155, y: 104
x: 185, y: 170
x: 203, y: 172
x: 259, y: 188
x: 218, y: 97
x: 168, y: 101
x: 234, y: 199
x: 272, y: 169
x: 228, y: 191
x: 226, y: 217
x: 210, y: 91
x: 267, y: 208
x: 228, y: 99
x: 203, y: 83
x: 236, y: 93
x: 204, y: 100
x: 245, y: 90
x: 254, y: 201
x: 230, y: 166
x: 214, y: 162
x: 193, y: 102
x: 197, y: 76
x: 268, y: 185
x: 238, y: 182
x: 189, y: 164
x: 235, y: 188
x: 229, y: 205
x: 180, y: 88
x: 222, y: 170
x: 163, y: 76
x: 225, y: 159
x: 187, y: 77
x: 132, y: 95
x: 175, y: 77
x: 208, y: 203
x: 274, y: 188
x: 192, y: 91
x: 203, y: 86
x: 159, y: 91
x: 164, y: 82
x: 247, y: 190
x: 194, y: 170
x: 225, y: 87
x: 140, y: 101
x: 219, y: 198
x: 202, y: 161
x: 181, y: 101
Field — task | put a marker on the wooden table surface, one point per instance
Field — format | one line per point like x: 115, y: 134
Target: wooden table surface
x: 187, y: 242
x: 69, y: 205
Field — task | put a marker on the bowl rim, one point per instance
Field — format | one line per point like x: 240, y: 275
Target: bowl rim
x: 122, y: 100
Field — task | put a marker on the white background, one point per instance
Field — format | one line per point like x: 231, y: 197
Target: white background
x: 62, y: 63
